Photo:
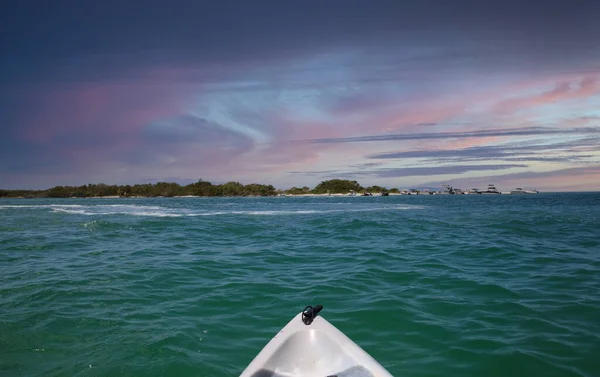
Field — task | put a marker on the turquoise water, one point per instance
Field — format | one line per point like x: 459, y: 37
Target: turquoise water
x: 428, y: 285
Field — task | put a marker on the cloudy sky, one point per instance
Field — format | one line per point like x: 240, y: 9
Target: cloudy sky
x: 399, y: 93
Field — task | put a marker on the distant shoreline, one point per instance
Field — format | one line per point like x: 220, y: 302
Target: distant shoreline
x: 333, y: 187
x: 279, y: 196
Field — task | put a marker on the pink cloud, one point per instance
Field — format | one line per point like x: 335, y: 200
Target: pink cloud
x: 88, y: 124
x: 472, y: 142
x: 574, y: 88
x: 82, y: 108
x: 479, y: 108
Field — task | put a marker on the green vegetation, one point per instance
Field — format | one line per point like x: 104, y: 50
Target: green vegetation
x: 337, y: 186
x: 298, y: 191
x: 168, y: 189
x: 200, y: 188
x: 376, y: 189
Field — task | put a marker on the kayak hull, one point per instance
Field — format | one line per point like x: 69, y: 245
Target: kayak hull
x: 315, y: 350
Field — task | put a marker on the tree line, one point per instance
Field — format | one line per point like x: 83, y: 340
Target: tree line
x: 200, y: 188
x: 339, y: 186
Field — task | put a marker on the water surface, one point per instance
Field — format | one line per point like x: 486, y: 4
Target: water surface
x: 429, y: 285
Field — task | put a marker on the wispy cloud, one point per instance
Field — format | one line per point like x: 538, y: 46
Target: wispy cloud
x: 528, y: 131
x: 436, y: 170
x: 418, y: 171
x: 578, y: 89
x: 531, y: 151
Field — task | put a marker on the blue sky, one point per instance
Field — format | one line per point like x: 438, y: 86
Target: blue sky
x: 396, y: 93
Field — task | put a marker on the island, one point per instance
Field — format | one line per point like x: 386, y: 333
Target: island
x: 333, y: 187
x: 199, y: 188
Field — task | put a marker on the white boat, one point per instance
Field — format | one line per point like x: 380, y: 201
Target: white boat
x: 310, y: 346
x: 491, y: 190
x: 521, y: 191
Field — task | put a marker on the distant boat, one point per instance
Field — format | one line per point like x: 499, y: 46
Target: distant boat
x: 366, y: 193
x: 473, y: 191
x: 385, y: 193
x: 491, y: 190
x: 352, y: 193
x: 521, y: 191
x: 447, y: 190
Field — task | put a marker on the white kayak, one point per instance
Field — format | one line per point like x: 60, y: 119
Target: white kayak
x: 309, y: 346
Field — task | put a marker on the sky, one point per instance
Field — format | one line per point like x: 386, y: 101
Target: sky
x: 406, y: 94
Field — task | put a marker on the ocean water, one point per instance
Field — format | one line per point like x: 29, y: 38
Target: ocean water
x: 473, y: 285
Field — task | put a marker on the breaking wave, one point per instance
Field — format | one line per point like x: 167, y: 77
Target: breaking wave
x: 163, y: 211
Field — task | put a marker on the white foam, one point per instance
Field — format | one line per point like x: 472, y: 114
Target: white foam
x: 41, y: 206
x: 133, y: 206
x: 302, y: 212
x: 140, y: 211
x: 65, y: 210
x: 158, y: 211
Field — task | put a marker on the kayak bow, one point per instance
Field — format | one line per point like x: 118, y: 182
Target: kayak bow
x: 310, y: 346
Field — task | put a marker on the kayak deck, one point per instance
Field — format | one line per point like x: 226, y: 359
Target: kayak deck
x: 315, y: 350
x: 352, y: 372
